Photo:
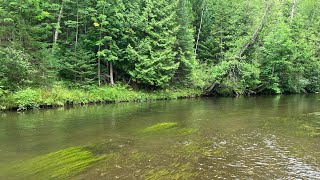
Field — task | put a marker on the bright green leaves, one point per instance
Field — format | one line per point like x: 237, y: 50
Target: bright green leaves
x: 287, y: 54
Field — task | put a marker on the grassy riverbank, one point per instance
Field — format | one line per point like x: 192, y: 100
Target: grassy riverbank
x: 59, y: 96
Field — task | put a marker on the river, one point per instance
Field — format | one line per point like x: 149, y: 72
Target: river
x: 262, y: 137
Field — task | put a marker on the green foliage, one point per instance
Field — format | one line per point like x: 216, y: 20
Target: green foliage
x: 78, y: 66
x: 185, y: 44
x: 154, y: 55
x: 244, y: 47
x: 15, y: 68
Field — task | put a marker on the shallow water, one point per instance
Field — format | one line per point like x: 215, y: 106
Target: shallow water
x: 264, y: 137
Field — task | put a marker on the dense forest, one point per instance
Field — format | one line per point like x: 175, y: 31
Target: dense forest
x: 234, y: 47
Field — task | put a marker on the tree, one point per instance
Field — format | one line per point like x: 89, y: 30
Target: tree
x: 154, y: 56
x: 185, y: 42
x: 109, y: 23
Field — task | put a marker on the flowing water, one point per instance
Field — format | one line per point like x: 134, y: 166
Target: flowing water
x: 264, y: 137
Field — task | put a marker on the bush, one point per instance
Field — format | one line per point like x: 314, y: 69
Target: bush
x: 25, y: 99
x: 15, y: 68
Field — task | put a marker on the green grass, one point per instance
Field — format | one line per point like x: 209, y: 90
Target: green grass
x: 58, y: 96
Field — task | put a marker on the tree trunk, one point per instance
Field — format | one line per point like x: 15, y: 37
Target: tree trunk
x: 199, y: 31
x: 56, y: 32
x: 99, y: 71
x: 209, y: 91
x: 255, y: 34
x: 111, y: 74
x: 77, y: 31
x: 99, y: 49
x: 293, y: 9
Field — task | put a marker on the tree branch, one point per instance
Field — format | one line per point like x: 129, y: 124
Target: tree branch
x: 255, y: 34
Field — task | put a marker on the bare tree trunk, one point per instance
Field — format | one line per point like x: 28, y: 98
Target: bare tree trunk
x: 77, y: 31
x: 255, y: 34
x: 99, y: 68
x: 293, y: 9
x: 209, y: 91
x: 111, y: 74
x: 199, y: 31
x: 56, y: 32
x: 99, y: 49
x: 221, y: 43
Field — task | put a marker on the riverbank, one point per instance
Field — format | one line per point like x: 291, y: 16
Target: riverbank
x: 59, y: 96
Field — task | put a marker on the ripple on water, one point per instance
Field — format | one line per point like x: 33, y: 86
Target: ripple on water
x: 296, y: 168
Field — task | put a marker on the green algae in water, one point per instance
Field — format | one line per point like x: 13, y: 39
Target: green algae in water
x: 159, y: 127
x: 168, y: 128
x: 58, y: 165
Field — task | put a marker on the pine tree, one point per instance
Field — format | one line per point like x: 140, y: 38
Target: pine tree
x: 154, y: 55
x: 185, y: 42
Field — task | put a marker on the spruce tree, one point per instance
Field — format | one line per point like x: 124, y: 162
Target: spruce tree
x: 154, y: 55
x: 185, y: 42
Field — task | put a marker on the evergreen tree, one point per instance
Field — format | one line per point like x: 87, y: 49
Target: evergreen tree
x: 185, y: 42
x: 154, y: 55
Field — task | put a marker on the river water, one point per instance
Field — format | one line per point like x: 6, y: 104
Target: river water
x: 263, y: 137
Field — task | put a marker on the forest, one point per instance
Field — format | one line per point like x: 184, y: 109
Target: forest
x: 234, y: 47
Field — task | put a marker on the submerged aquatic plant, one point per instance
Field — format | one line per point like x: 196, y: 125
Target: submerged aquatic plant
x: 58, y: 165
x: 306, y: 125
x: 168, y: 127
x: 160, y: 127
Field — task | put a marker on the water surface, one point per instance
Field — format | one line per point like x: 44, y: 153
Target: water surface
x: 264, y: 137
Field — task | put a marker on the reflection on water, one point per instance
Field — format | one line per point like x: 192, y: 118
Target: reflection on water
x: 267, y: 137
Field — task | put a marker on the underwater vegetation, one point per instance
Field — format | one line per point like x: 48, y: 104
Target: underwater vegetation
x: 71, y: 162
x: 306, y: 125
x: 159, y: 127
x: 168, y: 128
x: 58, y: 165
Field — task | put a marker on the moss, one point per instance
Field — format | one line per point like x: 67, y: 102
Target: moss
x: 58, y: 165
x: 160, y: 127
